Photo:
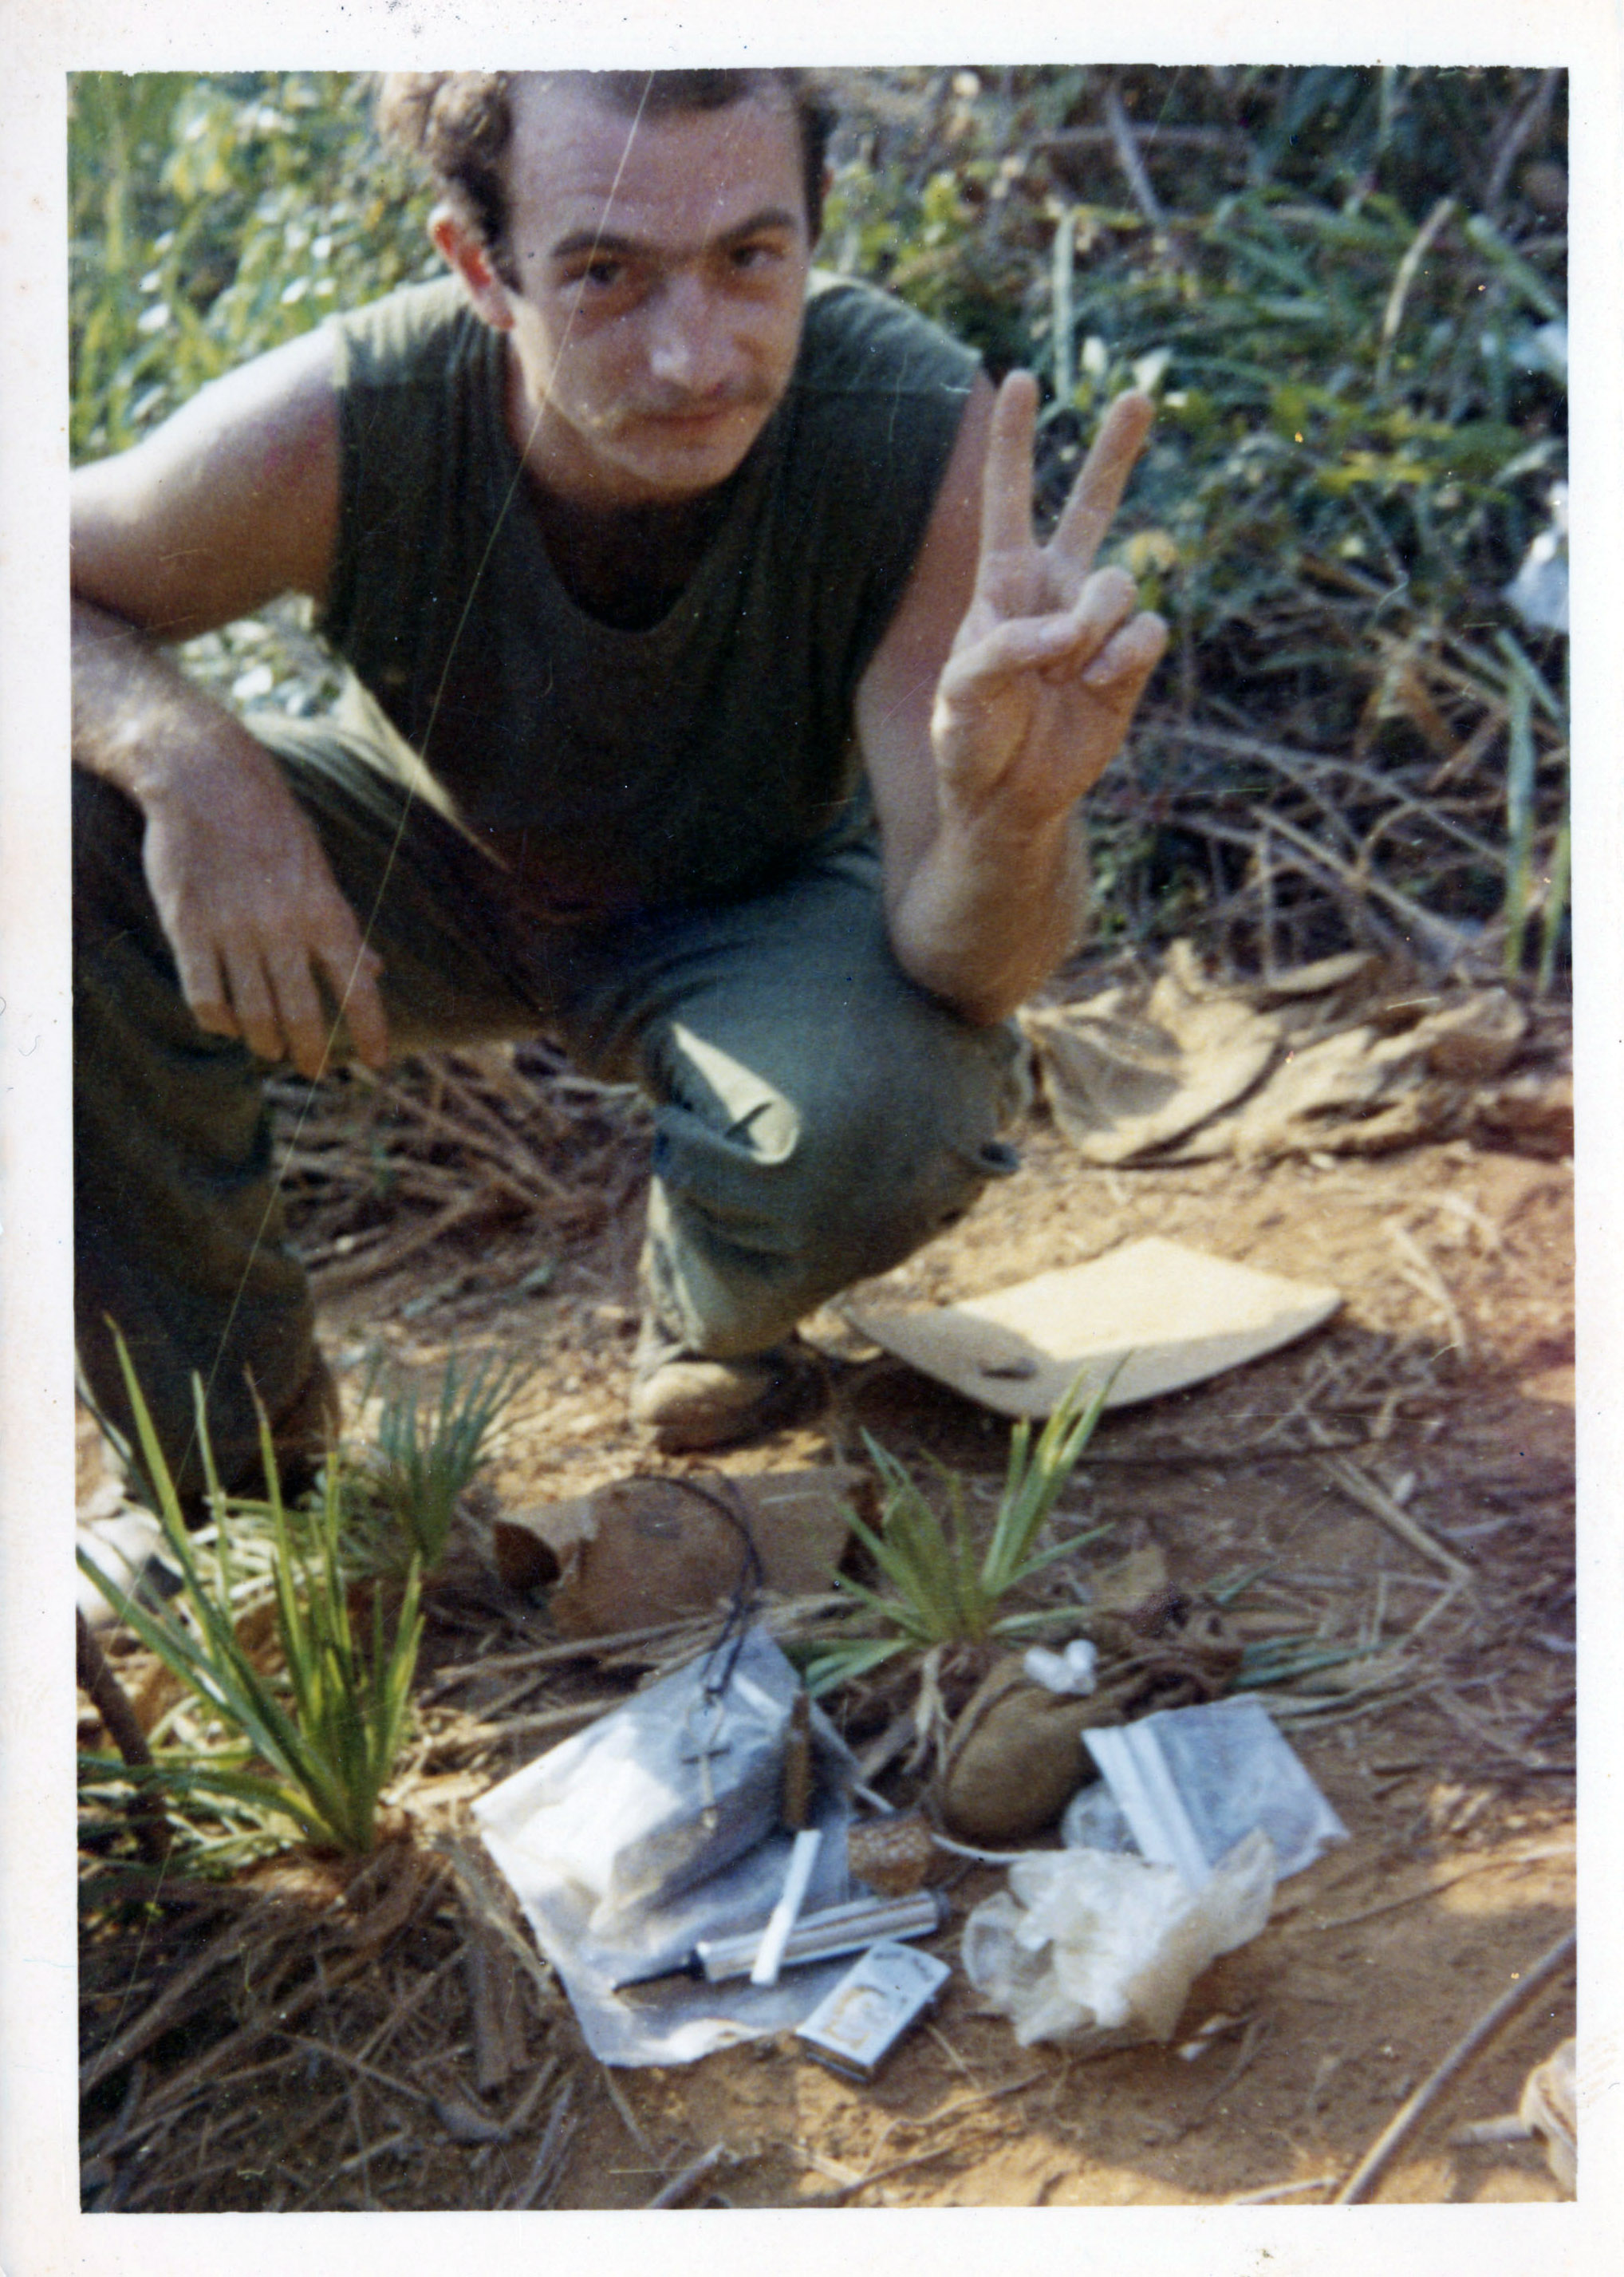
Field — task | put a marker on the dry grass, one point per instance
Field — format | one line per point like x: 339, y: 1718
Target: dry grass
x: 375, y: 1169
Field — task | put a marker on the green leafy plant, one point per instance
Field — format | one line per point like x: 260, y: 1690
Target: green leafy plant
x: 212, y: 216
x: 941, y: 1591
x: 427, y: 1451
x: 1347, y: 298
x: 328, y: 1726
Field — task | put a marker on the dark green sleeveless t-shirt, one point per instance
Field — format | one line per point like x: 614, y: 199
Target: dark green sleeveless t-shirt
x: 610, y: 769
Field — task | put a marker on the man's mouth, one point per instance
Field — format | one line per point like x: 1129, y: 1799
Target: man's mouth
x: 685, y: 425
x: 697, y: 419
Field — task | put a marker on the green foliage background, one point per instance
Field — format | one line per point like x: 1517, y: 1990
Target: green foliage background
x: 210, y: 219
x: 1256, y: 309
x: 1362, y: 410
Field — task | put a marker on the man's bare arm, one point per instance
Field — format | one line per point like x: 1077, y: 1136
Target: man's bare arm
x: 232, y: 503
x: 1000, y: 693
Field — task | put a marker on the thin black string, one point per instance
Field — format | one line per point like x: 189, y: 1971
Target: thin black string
x: 746, y: 1591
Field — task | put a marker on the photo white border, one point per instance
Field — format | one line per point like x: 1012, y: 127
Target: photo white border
x: 42, y: 2231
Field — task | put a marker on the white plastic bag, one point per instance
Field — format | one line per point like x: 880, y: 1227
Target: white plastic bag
x: 1089, y: 1947
x: 624, y: 1810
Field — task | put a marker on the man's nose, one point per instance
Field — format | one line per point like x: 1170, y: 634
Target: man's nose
x: 687, y: 346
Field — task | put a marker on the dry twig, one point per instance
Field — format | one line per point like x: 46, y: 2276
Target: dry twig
x: 1371, y: 1496
x: 1391, y: 2141
x: 683, y: 2185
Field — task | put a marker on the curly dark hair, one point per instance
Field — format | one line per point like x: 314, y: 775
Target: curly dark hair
x: 459, y: 124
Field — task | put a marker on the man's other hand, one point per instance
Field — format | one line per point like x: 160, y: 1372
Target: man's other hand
x: 229, y: 503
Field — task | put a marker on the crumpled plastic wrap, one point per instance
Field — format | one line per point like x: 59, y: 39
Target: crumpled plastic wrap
x: 1101, y: 1949
x: 617, y: 1810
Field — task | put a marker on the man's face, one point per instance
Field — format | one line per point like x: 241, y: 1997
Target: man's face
x: 661, y: 269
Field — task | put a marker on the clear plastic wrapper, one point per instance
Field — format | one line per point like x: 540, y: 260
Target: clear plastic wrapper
x: 1190, y: 1783
x: 665, y: 1793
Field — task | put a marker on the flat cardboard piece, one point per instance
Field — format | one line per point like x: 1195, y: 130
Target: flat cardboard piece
x: 1172, y: 1316
x: 648, y: 1550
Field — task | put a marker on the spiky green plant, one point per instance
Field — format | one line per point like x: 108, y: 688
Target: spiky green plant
x: 427, y: 1451
x: 941, y: 1591
x: 327, y: 1728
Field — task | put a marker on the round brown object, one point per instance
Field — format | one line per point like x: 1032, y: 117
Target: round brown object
x: 660, y: 1549
x: 1016, y: 1758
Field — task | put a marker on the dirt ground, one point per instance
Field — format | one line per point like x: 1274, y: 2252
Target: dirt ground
x: 1456, y: 1349
x: 1449, y: 1374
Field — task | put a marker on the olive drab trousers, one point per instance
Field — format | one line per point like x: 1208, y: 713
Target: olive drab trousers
x: 817, y: 1117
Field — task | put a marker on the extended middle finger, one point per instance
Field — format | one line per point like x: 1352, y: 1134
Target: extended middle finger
x: 1097, y: 491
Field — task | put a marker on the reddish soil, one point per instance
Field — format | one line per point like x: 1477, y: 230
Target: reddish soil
x: 1449, y: 1371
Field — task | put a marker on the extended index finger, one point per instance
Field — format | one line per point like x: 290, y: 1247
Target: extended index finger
x: 1097, y: 492
x: 1006, y: 474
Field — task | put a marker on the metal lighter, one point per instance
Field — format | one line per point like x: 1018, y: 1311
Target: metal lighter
x: 855, y: 2027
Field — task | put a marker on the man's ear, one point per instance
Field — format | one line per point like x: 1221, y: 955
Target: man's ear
x: 468, y: 255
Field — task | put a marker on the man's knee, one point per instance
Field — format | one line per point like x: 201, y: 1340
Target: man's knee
x: 894, y: 1143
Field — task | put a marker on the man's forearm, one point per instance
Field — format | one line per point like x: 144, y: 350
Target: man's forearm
x: 983, y: 922
x: 138, y: 722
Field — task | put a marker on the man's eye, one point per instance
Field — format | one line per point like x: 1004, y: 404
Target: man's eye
x: 746, y: 257
x: 601, y: 274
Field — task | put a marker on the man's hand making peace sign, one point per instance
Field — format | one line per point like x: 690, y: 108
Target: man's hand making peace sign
x: 1051, y: 658
x: 1040, y: 680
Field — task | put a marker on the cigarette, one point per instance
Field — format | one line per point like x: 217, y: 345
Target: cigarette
x: 775, y: 1937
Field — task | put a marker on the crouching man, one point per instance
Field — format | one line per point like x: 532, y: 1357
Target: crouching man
x: 710, y: 706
